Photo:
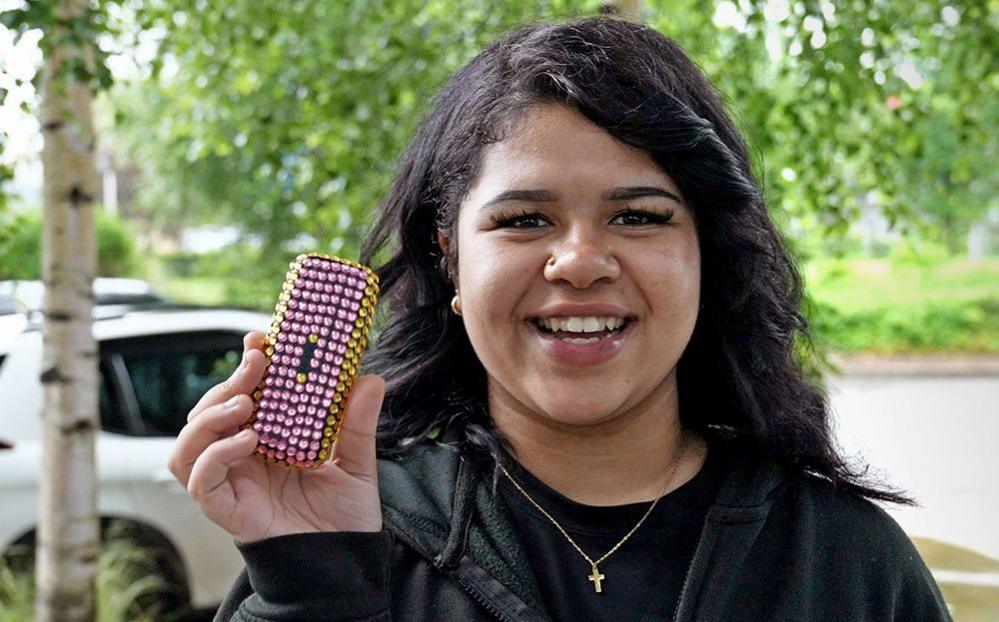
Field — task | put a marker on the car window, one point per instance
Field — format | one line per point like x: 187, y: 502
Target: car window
x: 113, y: 417
x: 167, y: 374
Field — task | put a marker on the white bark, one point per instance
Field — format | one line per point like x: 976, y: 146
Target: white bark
x: 68, y: 529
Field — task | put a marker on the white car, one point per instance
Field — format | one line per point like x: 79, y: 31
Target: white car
x: 156, y: 361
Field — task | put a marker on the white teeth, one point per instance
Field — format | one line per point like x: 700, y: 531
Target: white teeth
x: 581, y: 324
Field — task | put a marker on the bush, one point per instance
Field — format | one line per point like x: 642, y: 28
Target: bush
x: 21, y: 246
x: 130, y: 585
x: 932, y: 326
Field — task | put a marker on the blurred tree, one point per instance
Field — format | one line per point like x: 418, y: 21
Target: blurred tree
x: 288, y: 119
x: 67, y: 534
x: 848, y: 102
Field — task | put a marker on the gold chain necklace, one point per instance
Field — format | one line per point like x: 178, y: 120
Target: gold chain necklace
x: 596, y: 577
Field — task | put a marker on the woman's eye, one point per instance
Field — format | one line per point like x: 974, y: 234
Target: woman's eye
x: 508, y: 221
x: 644, y: 217
x: 636, y: 217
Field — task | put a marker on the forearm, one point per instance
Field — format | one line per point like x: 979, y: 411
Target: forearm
x: 334, y: 576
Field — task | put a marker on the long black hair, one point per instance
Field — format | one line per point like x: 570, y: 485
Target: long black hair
x: 740, y: 379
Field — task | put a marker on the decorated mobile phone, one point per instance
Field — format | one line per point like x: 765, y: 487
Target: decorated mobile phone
x: 317, y: 336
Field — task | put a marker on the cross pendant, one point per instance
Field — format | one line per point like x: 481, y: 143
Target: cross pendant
x: 596, y: 578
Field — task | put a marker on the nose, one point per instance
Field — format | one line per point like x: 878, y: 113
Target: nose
x: 581, y: 258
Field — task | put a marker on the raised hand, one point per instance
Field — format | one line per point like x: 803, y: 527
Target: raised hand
x: 252, y: 499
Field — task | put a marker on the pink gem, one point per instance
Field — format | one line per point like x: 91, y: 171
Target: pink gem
x: 292, y: 303
x: 300, y: 455
x: 329, y: 393
x: 338, y: 288
x: 270, y: 453
x: 314, y: 445
x: 342, y: 278
x: 338, y: 359
x: 261, y: 449
x: 258, y: 426
x: 318, y: 424
x: 311, y: 455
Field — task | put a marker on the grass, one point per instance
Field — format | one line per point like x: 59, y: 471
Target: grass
x: 129, y: 586
x: 905, y: 304
x: 858, y: 285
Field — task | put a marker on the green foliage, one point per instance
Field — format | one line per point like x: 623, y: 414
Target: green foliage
x: 130, y: 586
x: 21, y: 246
x: 828, y: 96
x: 289, y: 119
x: 909, y: 303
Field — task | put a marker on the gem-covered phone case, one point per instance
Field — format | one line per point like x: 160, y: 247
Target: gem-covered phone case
x: 317, y: 336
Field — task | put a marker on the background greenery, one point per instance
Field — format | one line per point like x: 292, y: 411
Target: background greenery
x: 287, y: 120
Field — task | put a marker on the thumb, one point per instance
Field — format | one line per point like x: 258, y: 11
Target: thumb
x: 354, y: 449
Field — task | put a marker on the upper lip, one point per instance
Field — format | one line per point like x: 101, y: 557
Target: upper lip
x: 583, y: 309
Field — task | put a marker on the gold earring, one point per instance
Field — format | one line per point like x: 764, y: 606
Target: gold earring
x: 456, y: 304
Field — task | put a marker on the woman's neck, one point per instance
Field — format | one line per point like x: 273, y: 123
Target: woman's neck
x: 625, y: 460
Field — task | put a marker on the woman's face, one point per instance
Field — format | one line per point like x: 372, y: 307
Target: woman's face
x: 621, y: 238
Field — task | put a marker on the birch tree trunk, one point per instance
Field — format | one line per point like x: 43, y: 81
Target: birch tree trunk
x: 68, y: 529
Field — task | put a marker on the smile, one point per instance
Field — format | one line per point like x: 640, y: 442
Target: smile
x: 571, y: 348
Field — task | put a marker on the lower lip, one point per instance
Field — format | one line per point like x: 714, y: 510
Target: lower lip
x: 595, y: 353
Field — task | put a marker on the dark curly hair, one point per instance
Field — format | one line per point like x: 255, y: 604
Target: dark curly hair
x: 740, y: 378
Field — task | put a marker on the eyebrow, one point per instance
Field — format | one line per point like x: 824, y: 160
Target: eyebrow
x: 617, y: 194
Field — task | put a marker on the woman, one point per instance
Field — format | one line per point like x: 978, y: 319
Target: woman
x: 584, y: 390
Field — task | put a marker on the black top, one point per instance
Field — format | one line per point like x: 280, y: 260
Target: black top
x: 642, y: 578
x: 780, y: 544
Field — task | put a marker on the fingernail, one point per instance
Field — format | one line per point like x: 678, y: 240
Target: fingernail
x: 232, y: 401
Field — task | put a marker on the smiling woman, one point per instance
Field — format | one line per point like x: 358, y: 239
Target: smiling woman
x: 588, y: 308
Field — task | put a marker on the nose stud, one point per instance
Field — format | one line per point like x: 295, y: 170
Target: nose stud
x: 551, y: 261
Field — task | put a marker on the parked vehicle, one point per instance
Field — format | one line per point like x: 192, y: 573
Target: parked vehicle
x: 156, y: 361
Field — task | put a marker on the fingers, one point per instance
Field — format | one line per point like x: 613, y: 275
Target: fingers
x: 214, y: 423
x: 243, y: 380
x: 354, y: 449
x: 209, y: 482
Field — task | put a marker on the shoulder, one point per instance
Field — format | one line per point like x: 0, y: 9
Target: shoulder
x: 849, y: 528
x: 420, y: 480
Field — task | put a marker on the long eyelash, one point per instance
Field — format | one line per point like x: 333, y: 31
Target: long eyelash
x: 501, y: 221
x: 653, y: 217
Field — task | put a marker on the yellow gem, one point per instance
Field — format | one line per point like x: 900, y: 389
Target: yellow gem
x: 341, y: 387
x: 258, y: 394
x: 302, y: 377
x: 269, y: 350
x: 337, y: 398
x: 326, y: 442
x: 313, y: 338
